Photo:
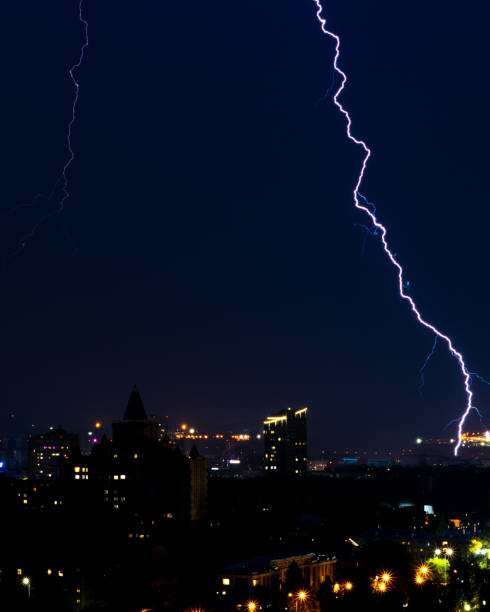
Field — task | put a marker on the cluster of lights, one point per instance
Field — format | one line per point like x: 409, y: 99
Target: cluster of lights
x: 381, y: 583
x: 346, y: 586
x: 447, y: 551
x: 422, y: 574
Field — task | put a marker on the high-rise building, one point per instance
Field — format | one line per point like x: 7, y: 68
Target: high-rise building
x: 49, y: 453
x: 285, y: 443
x: 198, y: 485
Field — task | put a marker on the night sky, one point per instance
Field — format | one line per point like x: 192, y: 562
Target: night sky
x: 208, y: 251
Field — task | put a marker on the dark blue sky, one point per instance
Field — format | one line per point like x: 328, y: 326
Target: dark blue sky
x: 208, y: 250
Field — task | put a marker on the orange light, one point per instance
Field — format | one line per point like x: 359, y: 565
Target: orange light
x: 419, y: 579
x: 336, y: 587
x: 98, y: 425
x: 302, y: 595
x: 251, y: 605
x: 386, y: 577
x: 348, y: 586
x: 382, y: 587
x: 183, y: 427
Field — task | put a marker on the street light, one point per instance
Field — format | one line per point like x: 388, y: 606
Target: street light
x: 27, y: 583
x: 251, y: 605
x: 301, y: 597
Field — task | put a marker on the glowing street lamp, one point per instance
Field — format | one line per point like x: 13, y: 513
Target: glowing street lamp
x: 348, y: 586
x: 251, y: 605
x: 301, y: 598
x: 27, y: 583
x: 438, y: 551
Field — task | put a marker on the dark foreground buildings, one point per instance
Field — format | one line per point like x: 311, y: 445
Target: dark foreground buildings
x: 285, y: 443
x: 144, y: 479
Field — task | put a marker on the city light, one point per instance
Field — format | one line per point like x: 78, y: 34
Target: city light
x: 419, y: 579
x: 424, y: 569
x: 27, y: 583
x: 336, y: 587
x: 98, y: 425
x: 380, y: 583
x: 437, y: 551
x: 449, y: 551
x: 302, y: 595
x: 348, y: 586
x: 467, y: 607
x: 251, y: 605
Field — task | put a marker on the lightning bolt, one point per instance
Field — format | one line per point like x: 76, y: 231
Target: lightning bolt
x: 63, y: 177
x: 361, y: 204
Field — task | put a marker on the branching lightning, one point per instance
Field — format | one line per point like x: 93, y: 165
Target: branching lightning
x: 361, y: 204
x: 424, y: 365
x: 63, y: 177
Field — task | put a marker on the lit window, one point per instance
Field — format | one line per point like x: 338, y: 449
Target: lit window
x: 77, y: 469
x: 123, y: 477
x: 254, y: 582
x: 226, y: 581
x: 49, y: 572
x: 60, y: 573
x: 116, y: 477
x: 77, y: 476
x: 135, y: 456
x: 19, y: 572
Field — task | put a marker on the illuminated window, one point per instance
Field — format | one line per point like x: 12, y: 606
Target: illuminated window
x: 254, y: 582
x: 135, y: 456
x: 77, y: 476
x: 77, y: 469
x: 60, y: 574
x: 226, y: 581
x: 19, y: 572
x: 116, y: 477
x: 123, y: 477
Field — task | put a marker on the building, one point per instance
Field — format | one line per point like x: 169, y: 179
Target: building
x: 198, y: 485
x: 271, y: 572
x: 50, y: 453
x: 285, y: 443
x: 144, y: 480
